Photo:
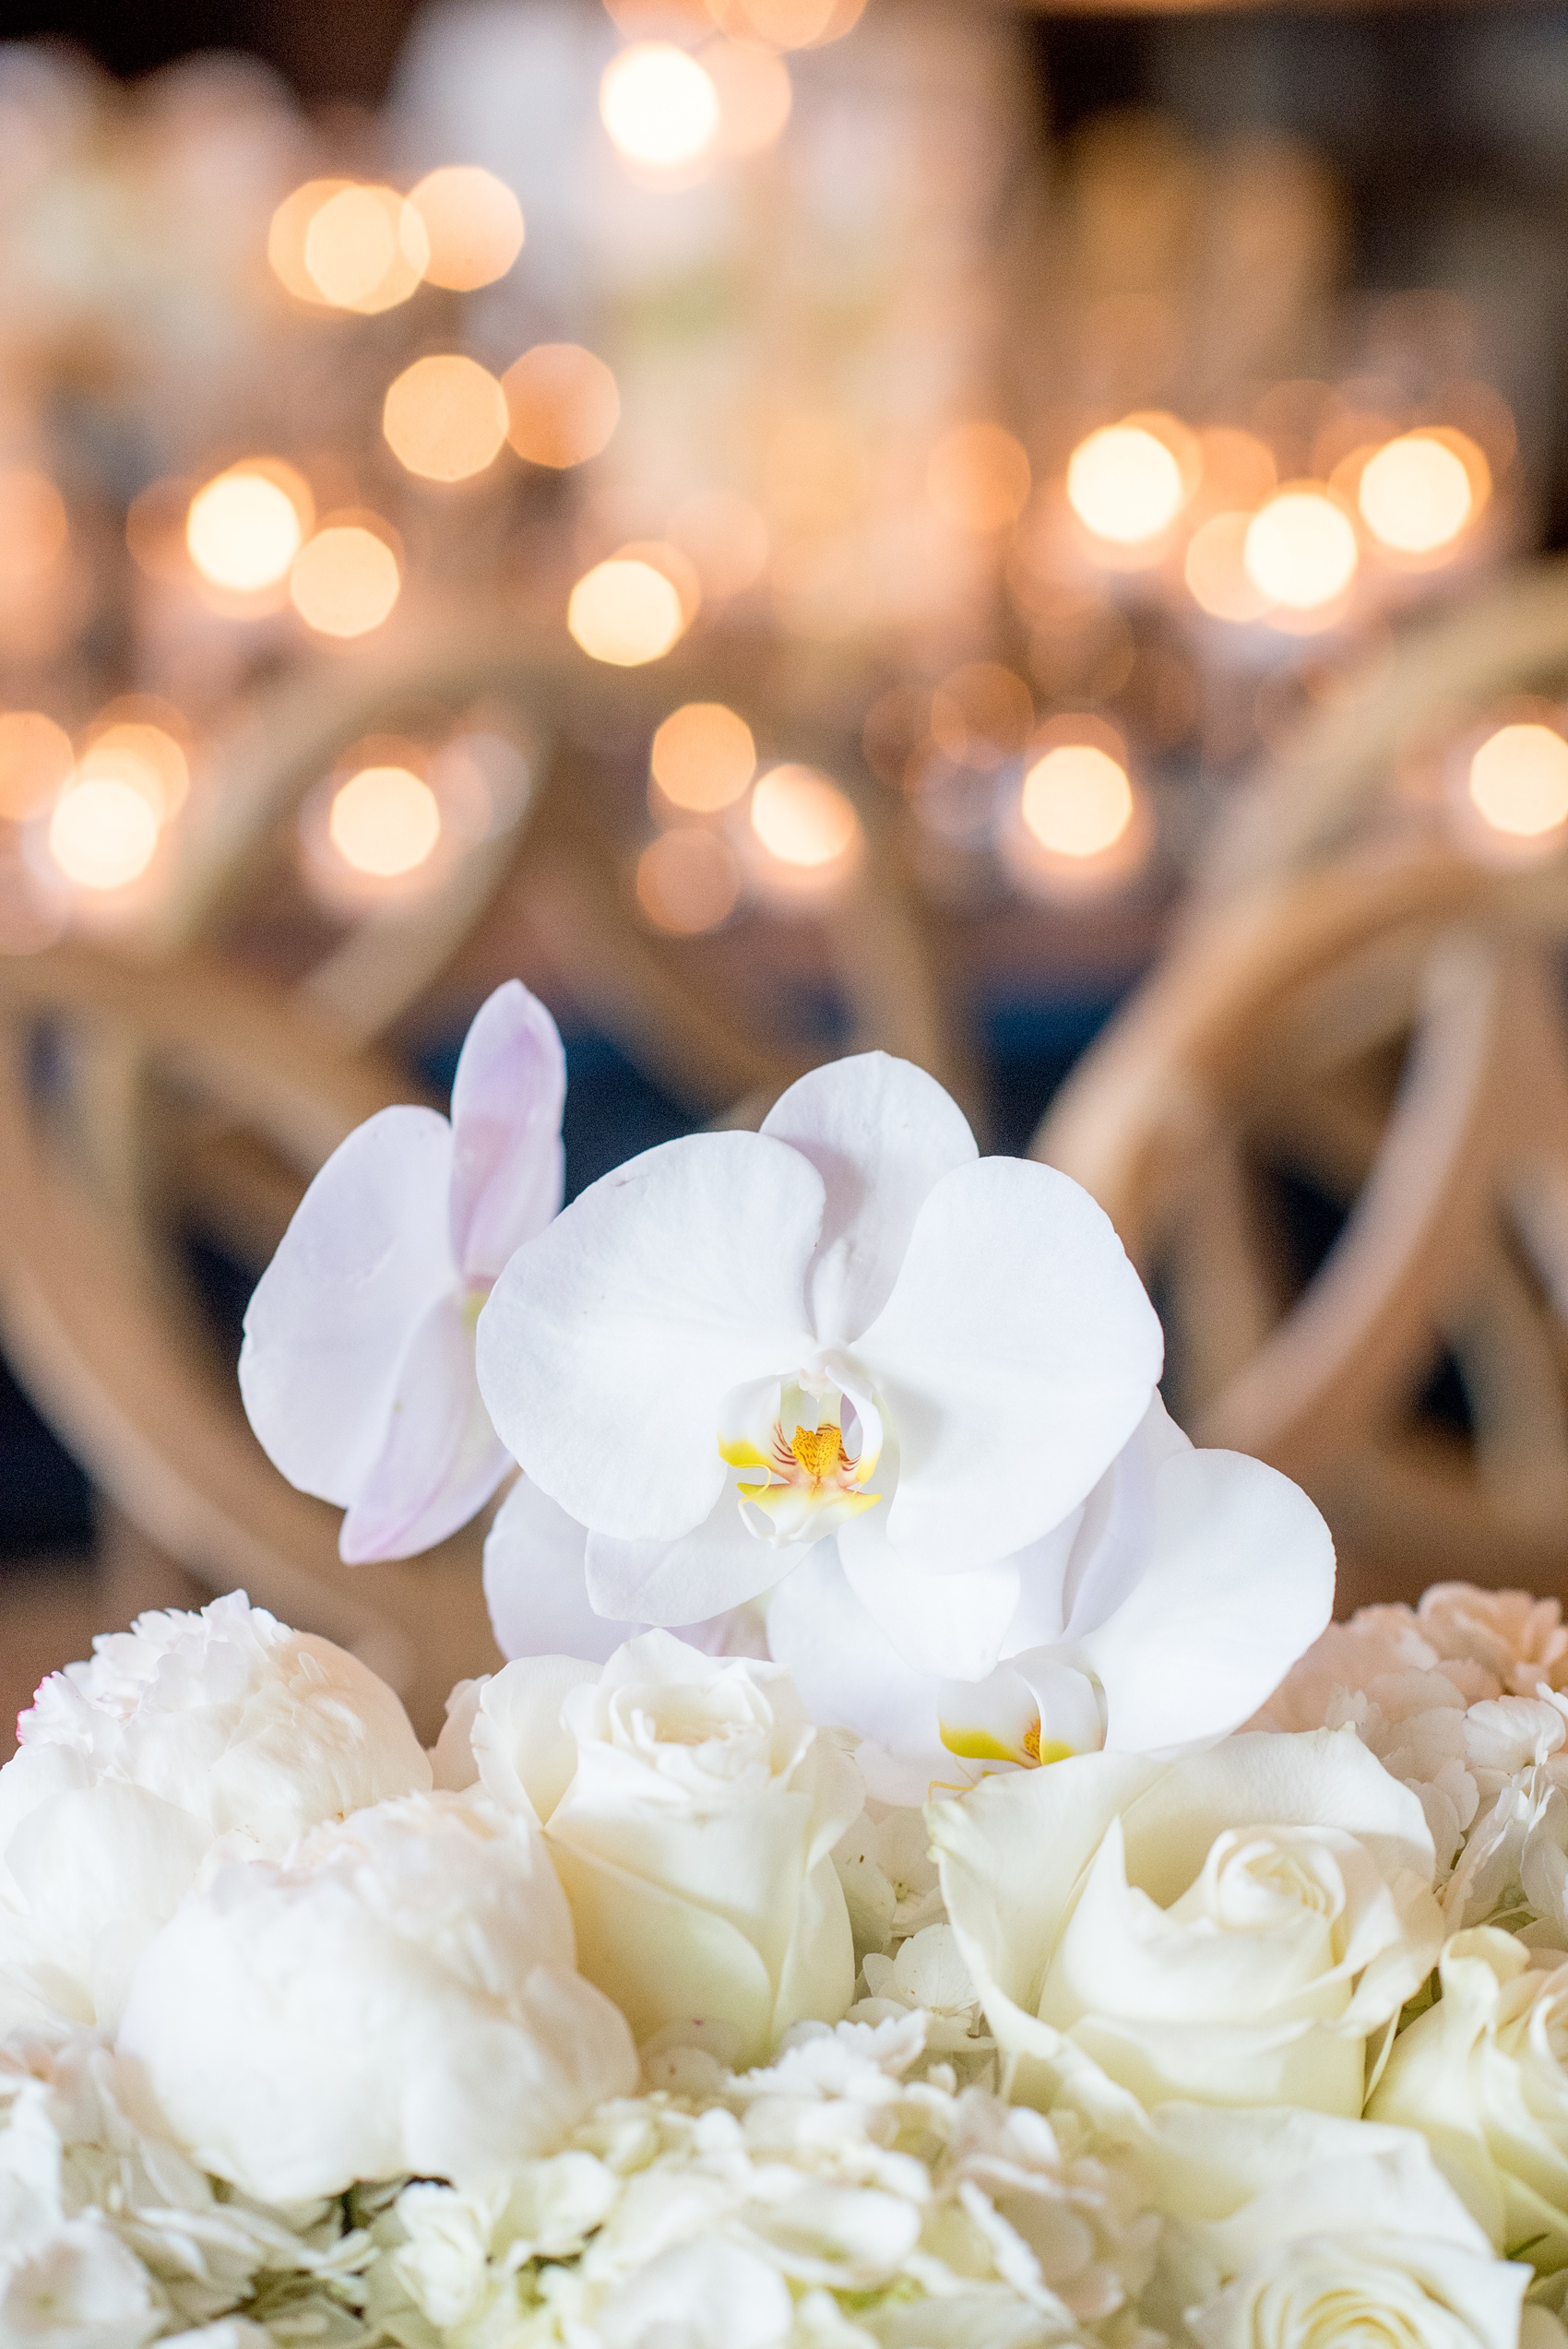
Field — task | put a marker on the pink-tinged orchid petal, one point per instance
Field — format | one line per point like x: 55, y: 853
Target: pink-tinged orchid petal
x: 535, y: 1585
x: 441, y: 1459
x: 719, y: 1565
x: 610, y: 1343
x: 361, y: 1264
x: 849, y: 1676
x: 506, y: 1155
x: 880, y: 1133
x: 1014, y: 1358
x: 947, y: 1626
x: 1236, y: 1583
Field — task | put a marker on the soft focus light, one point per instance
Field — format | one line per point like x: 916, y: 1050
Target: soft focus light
x: 725, y: 537
x: 789, y: 24
x: 344, y: 580
x: 35, y: 758
x: 658, y: 106
x: 287, y: 233
x: 977, y: 477
x: 1216, y: 569
x: 626, y: 611
x: 1124, y: 484
x: 703, y: 757
x: 802, y: 818
x: 1077, y: 800
x: 688, y: 881
x: 103, y: 833
x: 34, y: 527
x: 365, y: 249
x: 1300, y: 550
x: 562, y: 404
x: 244, y: 529
x: 473, y: 226
x: 1519, y: 780
x: 1415, y: 493
x: 755, y: 94
x: 444, y: 418
x: 383, y: 821
x: 144, y: 756
x: 981, y: 714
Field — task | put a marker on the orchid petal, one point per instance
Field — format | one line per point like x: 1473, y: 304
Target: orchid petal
x: 360, y: 1266
x: 719, y: 1565
x: 1236, y: 1583
x: 441, y: 1459
x: 1038, y: 1708
x: 610, y: 1343
x: 535, y: 1582
x: 507, y: 1164
x: 880, y: 1133
x: 951, y: 1626
x: 1015, y: 1358
x: 851, y: 1677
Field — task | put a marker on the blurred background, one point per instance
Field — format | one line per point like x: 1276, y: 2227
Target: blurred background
x: 789, y: 525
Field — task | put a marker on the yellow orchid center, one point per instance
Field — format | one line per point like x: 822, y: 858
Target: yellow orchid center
x: 820, y: 1450
x: 813, y: 1480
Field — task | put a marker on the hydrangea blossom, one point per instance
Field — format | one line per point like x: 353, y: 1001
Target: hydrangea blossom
x: 357, y: 1369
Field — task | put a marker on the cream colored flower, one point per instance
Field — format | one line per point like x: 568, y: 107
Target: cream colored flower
x: 1520, y: 1641
x: 1232, y: 1926
x: 690, y: 1810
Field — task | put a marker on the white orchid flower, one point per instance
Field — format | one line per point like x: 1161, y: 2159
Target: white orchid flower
x: 846, y: 1325
x: 358, y: 1364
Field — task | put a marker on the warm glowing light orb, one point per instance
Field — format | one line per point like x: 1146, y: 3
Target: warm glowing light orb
x: 244, y: 529
x: 103, y: 833
x: 703, y: 757
x: 802, y: 818
x: 624, y: 612
x: 1077, y: 800
x: 977, y: 477
x: 344, y: 580
x: 287, y: 232
x: 147, y: 758
x: 365, y: 249
x: 473, y: 226
x: 35, y: 759
x: 1214, y: 568
x: 688, y: 881
x: 1519, y: 780
x: 444, y: 417
x: 755, y: 94
x: 1124, y: 484
x: 1300, y: 550
x: 660, y: 106
x: 1416, y: 494
x: 383, y: 821
x: 562, y: 403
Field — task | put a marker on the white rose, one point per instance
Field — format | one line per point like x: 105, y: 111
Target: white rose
x: 690, y: 1810
x: 1483, y: 2075
x: 187, y: 1729
x: 398, y: 1996
x: 75, y: 2286
x: 1231, y: 1927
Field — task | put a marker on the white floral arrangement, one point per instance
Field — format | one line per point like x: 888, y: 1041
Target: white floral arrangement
x: 929, y: 1876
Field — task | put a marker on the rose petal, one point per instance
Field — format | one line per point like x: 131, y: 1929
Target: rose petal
x: 1015, y: 1358
x: 610, y: 1342
x: 1236, y: 1583
x: 507, y: 1164
x: 951, y: 1626
x: 326, y: 1329
x: 880, y: 1133
x: 535, y: 1585
x: 441, y: 1459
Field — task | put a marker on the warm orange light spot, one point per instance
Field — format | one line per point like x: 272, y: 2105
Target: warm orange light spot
x: 444, y: 418
x: 981, y: 714
x: 287, y: 233
x: 1417, y: 494
x: 1216, y: 569
x: 1519, y: 780
x: 103, y: 833
x: 473, y: 226
x: 1077, y: 800
x: 703, y: 757
x: 658, y: 106
x: 35, y: 758
x: 34, y: 527
x: 383, y: 821
x: 626, y: 611
x: 755, y: 94
x: 147, y: 758
x: 1238, y: 469
x: 802, y: 818
x: 344, y: 580
x: 977, y: 477
x: 244, y: 529
x: 562, y: 403
x: 365, y: 249
x: 688, y: 881
x: 725, y: 539
x: 1124, y: 484
x: 789, y: 24
x: 1301, y: 549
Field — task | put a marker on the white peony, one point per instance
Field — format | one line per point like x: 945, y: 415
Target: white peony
x: 398, y: 1996
x: 188, y: 1733
x: 1232, y: 1926
x: 690, y: 1810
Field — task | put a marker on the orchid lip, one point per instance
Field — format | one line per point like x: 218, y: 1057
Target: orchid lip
x: 815, y: 1439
